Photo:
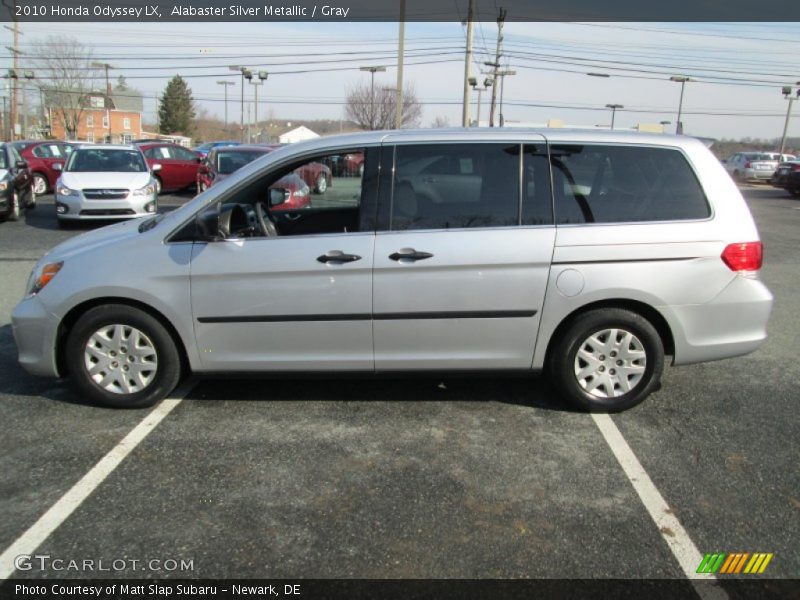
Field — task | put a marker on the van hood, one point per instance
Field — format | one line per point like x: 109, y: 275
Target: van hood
x: 91, y: 240
x: 111, y: 180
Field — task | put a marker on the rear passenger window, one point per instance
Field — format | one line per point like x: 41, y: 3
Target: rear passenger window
x: 456, y: 186
x: 620, y: 184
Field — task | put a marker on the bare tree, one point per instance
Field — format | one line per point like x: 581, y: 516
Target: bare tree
x: 64, y: 69
x: 378, y: 112
x: 440, y: 122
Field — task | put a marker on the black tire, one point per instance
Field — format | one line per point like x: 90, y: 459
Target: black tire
x: 168, y: 371
x: 563, y: 360
x: 30, y: 203
x: 321, y: 185
x: 14, y: 210
x: 795, y: 192
x: 159, y: 186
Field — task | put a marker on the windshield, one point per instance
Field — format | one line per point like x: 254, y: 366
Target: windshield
x: 228, y: 161
x: 106, y: 160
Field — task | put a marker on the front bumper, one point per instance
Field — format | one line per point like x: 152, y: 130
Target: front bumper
x: 35, y: 331
x: 79, y: 208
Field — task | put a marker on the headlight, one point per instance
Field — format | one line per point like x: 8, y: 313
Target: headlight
x: 3, y: 186
x: 42, y: 276
x: 301, y: 193
x: 65, y: 191
x: 147, y: 190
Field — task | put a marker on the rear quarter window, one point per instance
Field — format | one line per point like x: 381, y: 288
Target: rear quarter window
x: 624, y: 184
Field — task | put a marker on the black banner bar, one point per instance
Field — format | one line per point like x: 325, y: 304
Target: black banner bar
x: 389, y: 10
x: 383, y: 589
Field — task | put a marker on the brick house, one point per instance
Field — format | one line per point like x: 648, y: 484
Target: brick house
x: 114, y: 118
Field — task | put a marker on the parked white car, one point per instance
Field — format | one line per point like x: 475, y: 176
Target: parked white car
x: 105, y: 182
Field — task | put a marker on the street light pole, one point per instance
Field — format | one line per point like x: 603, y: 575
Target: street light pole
x: 246, y: 74
x: 502, y: 75
x: 372, y: 71
x: 613, y: 108
x: 225, y: 85
x: 106, y: 67
x: 787, y: 93
x: 682, y: 79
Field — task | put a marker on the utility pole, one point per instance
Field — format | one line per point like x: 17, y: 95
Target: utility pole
x: 15, y: 69
x: 246, y: 74
x: 467, y: 65
x: 496, y: 64
x: 787, y: 93
x: 398, y: 109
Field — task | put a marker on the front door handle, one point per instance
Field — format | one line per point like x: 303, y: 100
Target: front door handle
x: 410, y: 254
x: 337, y: 256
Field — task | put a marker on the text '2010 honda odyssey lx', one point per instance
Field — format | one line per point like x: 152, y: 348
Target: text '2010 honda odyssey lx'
x: 591, y: 255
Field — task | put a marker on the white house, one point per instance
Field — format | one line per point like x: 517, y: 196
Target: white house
x: 298, y: 134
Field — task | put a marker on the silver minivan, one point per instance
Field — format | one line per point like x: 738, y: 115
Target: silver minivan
x: 595, y: 256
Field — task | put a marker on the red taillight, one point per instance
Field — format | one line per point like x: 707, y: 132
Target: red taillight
x: 796, y: 167
x: 743, y: 257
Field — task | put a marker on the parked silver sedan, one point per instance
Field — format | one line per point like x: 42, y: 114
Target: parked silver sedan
x: 745, y: 166
x: 105, y: 182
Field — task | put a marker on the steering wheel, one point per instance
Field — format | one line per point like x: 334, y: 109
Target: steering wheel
x: 264, y: 222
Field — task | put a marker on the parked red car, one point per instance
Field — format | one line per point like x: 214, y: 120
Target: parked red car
x: 179, y: 165
x: 222, y: 161
x: 42, y: 158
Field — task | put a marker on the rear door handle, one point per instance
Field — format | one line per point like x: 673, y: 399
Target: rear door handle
x: 337, y: 256
x: 410, y: 254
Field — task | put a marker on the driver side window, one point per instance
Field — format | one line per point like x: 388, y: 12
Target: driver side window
x: 320, y: 194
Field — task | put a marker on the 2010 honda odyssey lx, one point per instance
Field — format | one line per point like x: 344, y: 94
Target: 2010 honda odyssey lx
x: 591, y: 255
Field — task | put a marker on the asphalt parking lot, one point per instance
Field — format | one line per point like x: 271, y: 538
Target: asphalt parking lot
x: 421, y: 478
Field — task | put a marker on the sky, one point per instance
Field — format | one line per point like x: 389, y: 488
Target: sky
x: 738, y: 68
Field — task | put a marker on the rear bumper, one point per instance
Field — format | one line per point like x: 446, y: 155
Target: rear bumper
x: 734, y: 323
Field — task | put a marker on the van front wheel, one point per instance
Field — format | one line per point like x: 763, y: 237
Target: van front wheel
x: 123, y: 357
x: 608, y: 360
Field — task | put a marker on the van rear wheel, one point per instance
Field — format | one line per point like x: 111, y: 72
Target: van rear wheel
x: 121, y: 356
x: 608, y: 360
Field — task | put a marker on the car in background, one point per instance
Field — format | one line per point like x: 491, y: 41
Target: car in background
x: 45, y: 159
x: 203, y: 149
x: 106, y: 182
x: 222, y: 161
x: 179, y: 165
x: 16, y: 184
x: 347, y: 165
x: 787, y: 176
x: 745, y: 166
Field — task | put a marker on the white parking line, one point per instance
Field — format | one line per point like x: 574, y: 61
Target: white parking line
x: 66, y: 505
x: 672, y: 531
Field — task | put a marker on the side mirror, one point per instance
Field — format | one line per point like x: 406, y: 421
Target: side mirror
x: 208, y: 225
x: 21, y: 164
x: 155, y: 168
x: 278, y: 196
x: 198, y: 159
x: 58, y: 167
x: 203, y: 170
x: 724, y: 161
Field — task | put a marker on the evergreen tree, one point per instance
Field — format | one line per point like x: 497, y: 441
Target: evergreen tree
x: 176, y: 108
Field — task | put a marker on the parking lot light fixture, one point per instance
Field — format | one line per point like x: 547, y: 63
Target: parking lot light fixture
x: 613, y: 108
x: 372, y: 71
x: 787, y: 94
x: 246, y: 74
x: 682, y: 79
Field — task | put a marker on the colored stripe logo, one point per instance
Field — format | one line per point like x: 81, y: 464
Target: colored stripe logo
x: 735, y: 563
